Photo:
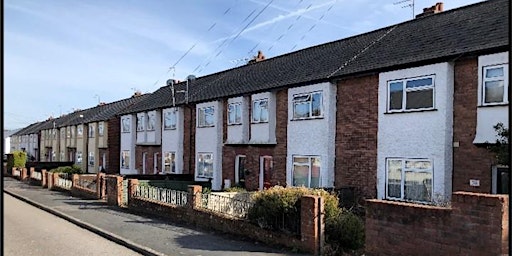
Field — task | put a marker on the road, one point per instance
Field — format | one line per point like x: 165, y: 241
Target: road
x: 31, y: 231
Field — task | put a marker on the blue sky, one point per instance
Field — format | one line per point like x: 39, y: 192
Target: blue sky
x: 62, y: 55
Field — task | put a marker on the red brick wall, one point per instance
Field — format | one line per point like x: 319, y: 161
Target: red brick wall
x: 189, y: 140
x: 253, y: 152
x: 150, y: 153
x: 114, y: 146
x: 469, y: 161
x: 356, y: 134
x: 476, y: 224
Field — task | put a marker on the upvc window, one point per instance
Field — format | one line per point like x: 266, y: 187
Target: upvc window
x: 100, y: 129
x: 151, y: 121
x: 91, y: 131
x: 125, y: 124
x: 307, y: 105
x: 125, y: 159
x: 79, y: 157
x: 411, y: 94
x: 495, y: 84
x: 140, y: 122
x: 205, y: 117
x: 170, y: 162
x: 235, y: 113
x: 306, y: 171
x: 91, y: 158
x: 170, y: 119
x: 205, y: 165
x: 260, y: 111
x: 80, y: 130
x: 68, y: 132
x: 409, y: 179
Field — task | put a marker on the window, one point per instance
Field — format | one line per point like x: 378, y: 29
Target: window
x: 79, y: 157
x: 170, y: 162
x: 125, y: 159
x: 409, y: 179
x: 91, y: 158
x: 205, y: 117
x: 307, y: 105
x: 80, y: 130
x: 411, y: 94
x: 125, y: 122
x: 72, y: 132
x: 170, y: 119
x: 306, y: 171
x: 68, y: 132
x: 240, y: 170
x: 500, y: 180
x: 100, y: 129
x: 140, y: 122
x: 260, y: 111
x: 151, y: 121
x: 495, y: 87
x: 235, y: 113
x: 63, y: 133
x: 205, y: 165
x: 91, y: 131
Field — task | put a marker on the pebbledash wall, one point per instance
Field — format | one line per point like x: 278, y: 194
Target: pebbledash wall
x: 475, y: 224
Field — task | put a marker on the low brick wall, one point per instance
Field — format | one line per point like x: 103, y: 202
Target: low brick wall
x: 84, y: 192
x: 475, y: 224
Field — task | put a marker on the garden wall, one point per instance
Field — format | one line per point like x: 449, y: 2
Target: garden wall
x: 475, y: 224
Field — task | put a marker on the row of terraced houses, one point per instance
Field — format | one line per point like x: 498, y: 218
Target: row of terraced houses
x: 403, y: 112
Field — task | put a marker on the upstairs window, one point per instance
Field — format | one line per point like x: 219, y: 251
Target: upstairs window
x: 100, y: 129
x: 80, y: 130
x: 140, y: 123
x: 151, y: 121
x: 205, y: 117
x: 307, y: 105
x: 68, y: 132
x: 125, y: 123
x: 91, y: 131
x: 260, y: 111
x: 235, y: 113
x: 409, y: 179
x: 170, y: 120
x: 495, y: 87
x: 411, y: 94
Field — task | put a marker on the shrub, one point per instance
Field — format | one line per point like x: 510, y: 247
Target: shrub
x: 344, y: 231
x: 20, y: 159
x: 235, y: 189
x: 75, y: 169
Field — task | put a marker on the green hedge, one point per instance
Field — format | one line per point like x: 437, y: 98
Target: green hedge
x: 75, y: 169
x: 20, y: 159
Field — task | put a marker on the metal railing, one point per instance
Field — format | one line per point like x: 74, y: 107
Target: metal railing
x: 174, y: 197
x: 235, y: 206
x: 87, y: 182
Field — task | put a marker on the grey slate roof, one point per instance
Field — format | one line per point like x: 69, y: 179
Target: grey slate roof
x: 473, y: 29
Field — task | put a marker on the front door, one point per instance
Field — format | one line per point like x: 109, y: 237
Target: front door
x: 240, y: 171
x: 266, y: 165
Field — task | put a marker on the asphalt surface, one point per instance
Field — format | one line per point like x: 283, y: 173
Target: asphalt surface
x: 147, y: 235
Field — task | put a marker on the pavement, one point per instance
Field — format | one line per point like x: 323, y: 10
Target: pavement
x: 147, y: 235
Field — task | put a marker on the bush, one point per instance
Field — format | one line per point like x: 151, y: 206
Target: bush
x: 20, y: 159
x: 344, y: 231
x: 75, y: 169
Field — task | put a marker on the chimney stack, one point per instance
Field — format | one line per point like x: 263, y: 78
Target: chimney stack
x: 437, y: 8
x: 257, y: 58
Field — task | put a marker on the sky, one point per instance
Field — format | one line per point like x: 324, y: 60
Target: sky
x: 64, y: 55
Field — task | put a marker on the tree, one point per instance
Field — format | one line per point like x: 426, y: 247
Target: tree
x: 501, y: 148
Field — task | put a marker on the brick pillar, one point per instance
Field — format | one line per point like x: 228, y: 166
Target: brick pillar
x: 50, y: 180
x: 132, y: 184
x: 98, y: 185
x: 74, y: 180
x: 194, y: 196
x: 54, y: 177
x: 114, y: 190
x: 31, y: 172
x: 103, y: 186
x: 44, y: 178
x: 312, y: 223
x: 24, y: 174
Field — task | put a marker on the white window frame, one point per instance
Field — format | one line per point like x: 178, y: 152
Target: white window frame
x: 210, y: 157
x: 90, y: 133
x: 125, y: 125
x: 257, y: 117
x: 309, y: 164
x: 169, y: 166
x: 405, y: 90
x: 503, y: 78
x: 170, y: 115
x: 100, y: 129
x: 402, y: 177
x: 79, y: 157
x: 141, y: 122
x: 151, y: 121
x: 307, y: 99
x: 202, y: 114
x: 91, y: 158
x: 235, y: 108
x: 125, y: 159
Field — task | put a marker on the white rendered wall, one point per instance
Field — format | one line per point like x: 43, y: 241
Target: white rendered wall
x: 154, y: 136
x: 420, y: 134
x: 128, y: 143
x: 488, y: 116
x: 264, y: 133
x: 172, y: 140
x: 313, y: 137
x: 209, y: 140
x: 239, y: 133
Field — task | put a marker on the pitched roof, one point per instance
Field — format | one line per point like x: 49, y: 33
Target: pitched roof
x: 441, y: 37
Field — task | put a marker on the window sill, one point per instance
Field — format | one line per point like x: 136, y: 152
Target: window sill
x: 206, y: 126
x: 493, y: 105
x: 410, y: 111
x: 266, y: 122
x: 235, y: 124
x: 148, y: 144
x: 169, y: 129
x: 307, y: 118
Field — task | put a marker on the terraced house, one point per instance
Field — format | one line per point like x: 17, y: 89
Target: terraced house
x: 403, y: 113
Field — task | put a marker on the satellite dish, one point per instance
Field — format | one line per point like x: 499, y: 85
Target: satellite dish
x: 170, y: 82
